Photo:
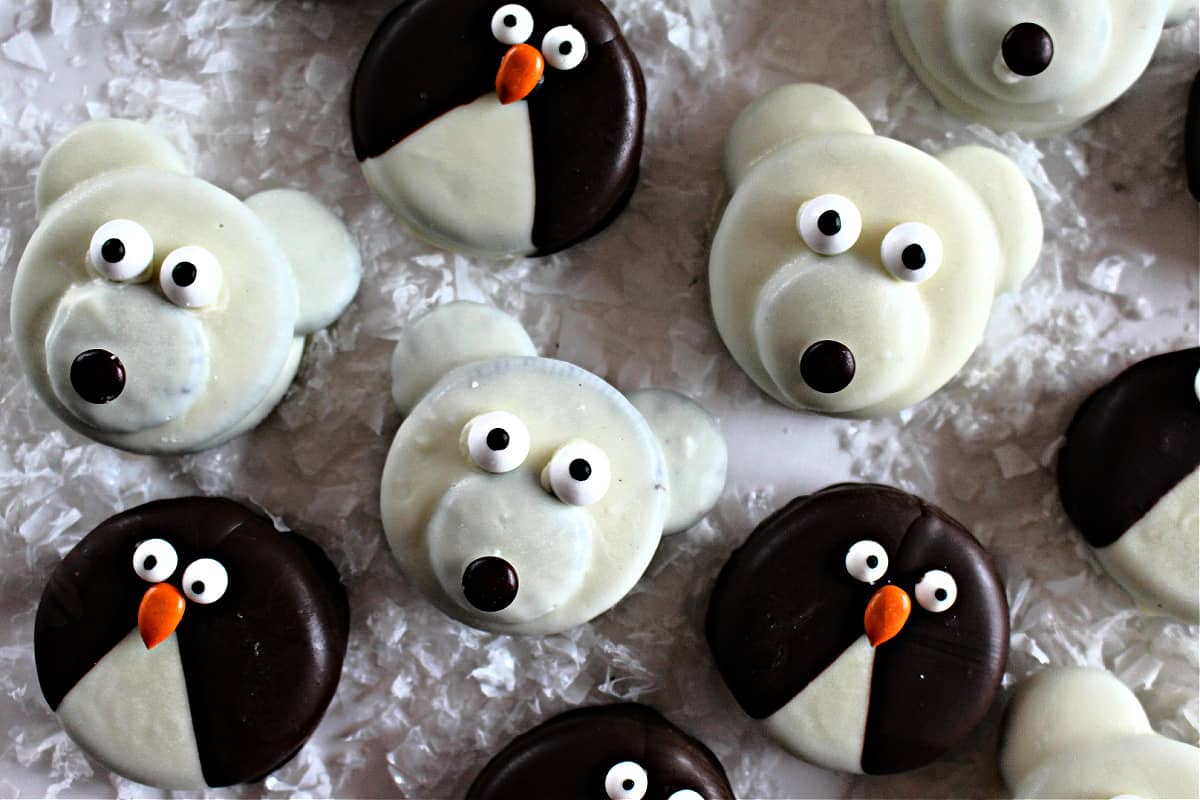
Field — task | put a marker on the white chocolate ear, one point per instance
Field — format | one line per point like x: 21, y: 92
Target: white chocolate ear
x: 1014, y: 208
x: 783, y: 116
x: 449, y: 337
x: 694, y: 450
x: 1061, y: 709
x: 102, y: 146
x: 323, y: 255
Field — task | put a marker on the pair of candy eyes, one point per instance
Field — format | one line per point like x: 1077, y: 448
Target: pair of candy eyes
x: 122, y: 250
x: 867, y: 561
x: 578, y: 473
x: 629, y: 781
x: 564, y: 47
x: 204, y: 580
x: 831, y: 224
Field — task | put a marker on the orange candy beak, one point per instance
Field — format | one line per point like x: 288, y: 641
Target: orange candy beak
x: 520, y: 72
x: 159, y: 614
x: 887, y: 612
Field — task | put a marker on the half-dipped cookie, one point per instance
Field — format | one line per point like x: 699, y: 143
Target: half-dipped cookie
x: 188, y: 643
x: 1129, y: 476
x: 864, y: 627
x: 500, y: 128
x: 626, y: 751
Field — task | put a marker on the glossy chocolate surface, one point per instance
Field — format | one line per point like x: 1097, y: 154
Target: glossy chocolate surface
x: 784, y: 609
x: 1129, y: 444
x: 429, y: 57
x: 569, y: 756
x: 261, y: 663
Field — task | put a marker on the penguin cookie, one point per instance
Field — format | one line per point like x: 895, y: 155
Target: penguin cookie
x: 1075, y: 733
x: 525, y: 494
x: 1129, y: 477
x: 1032, y: 66
x: 188, y: 643
x: 616, y: 752
x: 500, y: 128
x: 865, y: 628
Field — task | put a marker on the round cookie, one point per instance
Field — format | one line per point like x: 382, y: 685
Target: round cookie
x: 525, y: 494
x: 616, y: 752
x: 852, y: 274
x: 864, y: 627
x: 1039, y: 68
x: 188, y: 643
x: 1072, y: 732
x: 500, y: 128
x: 157, y: 313
x: 1129, y: 477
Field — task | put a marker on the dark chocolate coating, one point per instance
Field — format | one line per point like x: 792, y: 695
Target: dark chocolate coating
x: 784, y: 609
x: 1191, y: 139
x: 429, y: 57
x: 568, y: 757
x: 261, y: 663
x: 1129, y: 444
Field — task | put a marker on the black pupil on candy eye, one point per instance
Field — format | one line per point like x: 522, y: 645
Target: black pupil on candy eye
x: 565, y: 48
x: 150, y: 563
x: 113, y: 250
x: 580, y: 470
x: 184, y: 273
x: 872, y: 561
x: 497, y: 439
x: 510, y: 21
x: 628, y: 784
x: 830, y: 223
x: 198, y: 587
x: 913, y: 256
x: 940, y: 595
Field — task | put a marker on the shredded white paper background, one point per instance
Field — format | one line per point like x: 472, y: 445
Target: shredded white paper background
x: 256, y: 94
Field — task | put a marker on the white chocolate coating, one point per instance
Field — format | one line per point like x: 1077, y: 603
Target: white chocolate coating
x: 443, y: 180
x: 130, y: 712
x: 1072, y: 732
x: 1101, y: 47
x: 773, y: 296
x: 193, y: 377
x: 1158, y: 559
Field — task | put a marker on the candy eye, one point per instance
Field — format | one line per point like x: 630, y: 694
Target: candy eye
x: 686, y: 794
x: 626, y: 781
x: 564, y: 48
x: 866, y: 561
x: 205, y: 581
x: 154, y: 560
x: 497, y: 442
x: 121, y: 250
x: 936, y: 591
x: 512, y: 24
x: 829, y: 224
x: 578, y: 474
x: 190, y: 277
x: 912, y: 252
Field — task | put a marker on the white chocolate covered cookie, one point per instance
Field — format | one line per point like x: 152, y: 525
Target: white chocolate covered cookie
x: 853, y: 274
x: 524, y: 494
x: 157, y: 313
x: 1072, y: 732
x: 1039, y: 67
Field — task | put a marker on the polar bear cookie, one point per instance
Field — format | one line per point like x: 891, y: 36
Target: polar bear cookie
x: 526, y: 495
x: 852, y: 274
x: 626, y: 751
x: 1039, y: 67
x: 157, y: 313
x: 1072, y: 732
x: 189, y: 643
x: 1129, y: 477
x: 500, y: 128
x: 864, y: 627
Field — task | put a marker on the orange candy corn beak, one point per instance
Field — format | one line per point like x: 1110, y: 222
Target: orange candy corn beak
x: 159, y: 614
x: 887, y: 612
x: 520, y: 72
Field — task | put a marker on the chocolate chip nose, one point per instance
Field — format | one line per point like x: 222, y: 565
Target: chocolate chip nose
x: 827, y: 366
x: 490, y: 584
x: 1027, y: 49
x: 98, y: 376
